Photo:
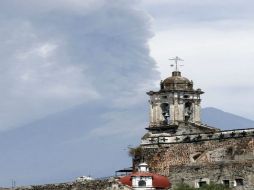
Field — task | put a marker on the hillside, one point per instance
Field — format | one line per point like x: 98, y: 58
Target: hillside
x: 82, y: 141
x: 225, y: 120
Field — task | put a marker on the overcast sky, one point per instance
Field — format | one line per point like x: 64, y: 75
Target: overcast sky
x: 216, y: 40
x: 59, y: 54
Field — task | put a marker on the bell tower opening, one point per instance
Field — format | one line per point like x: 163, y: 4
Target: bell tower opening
x: 165, y: 112
x: 187, y: 111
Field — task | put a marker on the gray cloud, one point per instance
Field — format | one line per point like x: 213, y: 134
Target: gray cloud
x: 198, y: 10
x: 55, y: 55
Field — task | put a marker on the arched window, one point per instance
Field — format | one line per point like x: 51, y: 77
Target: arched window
x: 238, y: 182
x: 165, y: 112
x: 188, y: 106
x: 195, y: 156
x: 142, y: 183
x: 187, y: 110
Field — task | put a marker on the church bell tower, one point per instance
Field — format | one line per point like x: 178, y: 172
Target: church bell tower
x: 176, y: 102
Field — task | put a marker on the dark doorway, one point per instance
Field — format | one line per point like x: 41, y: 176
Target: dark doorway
x: 142, y: 183
x: 202, y: 183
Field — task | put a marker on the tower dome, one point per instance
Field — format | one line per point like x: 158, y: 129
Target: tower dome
x: 176, y: 82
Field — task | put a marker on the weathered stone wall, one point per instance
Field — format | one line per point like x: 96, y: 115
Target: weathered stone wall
x: 216, y: 172
x: 214, y: 160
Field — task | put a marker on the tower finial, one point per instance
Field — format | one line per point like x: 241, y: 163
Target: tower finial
x: 176, y: 59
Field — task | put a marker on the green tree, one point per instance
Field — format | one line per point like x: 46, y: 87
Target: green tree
x: 183, y: 186
x: 212, y: 186
x: 135, y: 152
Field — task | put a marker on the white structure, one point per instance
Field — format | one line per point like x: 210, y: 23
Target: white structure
x: 143, y: 180
x: 143, y: 167
x: 84, y: 178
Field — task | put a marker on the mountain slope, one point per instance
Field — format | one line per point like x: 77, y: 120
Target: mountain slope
x: 82, y: 141
x: 69, y: 144
x: 225, y: 120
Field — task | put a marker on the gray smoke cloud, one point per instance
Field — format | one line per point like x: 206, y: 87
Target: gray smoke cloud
x: 59, y: 54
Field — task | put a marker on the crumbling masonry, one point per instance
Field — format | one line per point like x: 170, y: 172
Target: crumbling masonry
x: 179, y: 146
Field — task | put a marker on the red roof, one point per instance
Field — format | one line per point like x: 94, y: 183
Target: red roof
x: 159, y: 181
x: 126, y: 180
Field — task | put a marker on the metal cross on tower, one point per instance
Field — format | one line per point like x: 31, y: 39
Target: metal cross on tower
x: 176, y: 59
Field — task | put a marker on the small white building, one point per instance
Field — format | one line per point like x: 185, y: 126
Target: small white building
x: 84, y: 178
x: 144, y: 180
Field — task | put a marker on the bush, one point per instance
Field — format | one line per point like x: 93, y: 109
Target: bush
x: 212, y: 186
x: 135, y: 152
x: 183, y: 186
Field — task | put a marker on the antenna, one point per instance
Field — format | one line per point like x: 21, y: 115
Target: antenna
x: 13, y: 184
x: 176, y: 59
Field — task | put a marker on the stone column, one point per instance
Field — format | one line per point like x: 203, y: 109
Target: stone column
x: 181, y: 112
x: 151, y: 111
x: 197, y: 112
x: 171, y: 111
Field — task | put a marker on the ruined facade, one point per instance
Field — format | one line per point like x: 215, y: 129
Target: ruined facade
x: 179, y: 146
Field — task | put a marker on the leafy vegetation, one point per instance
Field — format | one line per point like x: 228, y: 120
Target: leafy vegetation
x: 135, y: 152
x: 211, y: 186
x: 183, y: 186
